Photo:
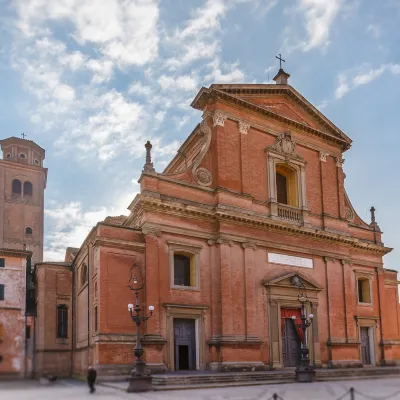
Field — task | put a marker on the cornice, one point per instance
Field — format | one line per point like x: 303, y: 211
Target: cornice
x: 124, y: 244
x: 151, y: 204
x: 214, y: 94
x: 23, y: 167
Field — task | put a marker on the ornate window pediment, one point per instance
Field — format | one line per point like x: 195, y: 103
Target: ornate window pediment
x: 286, y: 180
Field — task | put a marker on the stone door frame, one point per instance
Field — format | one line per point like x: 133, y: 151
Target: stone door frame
x: 282, y: 294
x: 181, y: 311
x: 370, y: 323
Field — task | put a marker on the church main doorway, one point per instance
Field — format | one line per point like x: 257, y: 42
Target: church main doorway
x: 184, y: 344
x: 291, y: 344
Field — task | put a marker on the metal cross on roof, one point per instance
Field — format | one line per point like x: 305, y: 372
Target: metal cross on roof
x: 280, y: 60
x: 23, y: 135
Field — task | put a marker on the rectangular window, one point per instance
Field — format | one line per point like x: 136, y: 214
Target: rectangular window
x: 62, y: 321
x: 182, y: 270
x: 364, y: 292
x: 2, y: 262
x: 95, y: 319
x: 1, y: 292
x: 28, y: 332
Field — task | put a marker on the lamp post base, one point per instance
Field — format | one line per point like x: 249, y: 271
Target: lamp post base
x: 305, y: 372
x: 139, y: 384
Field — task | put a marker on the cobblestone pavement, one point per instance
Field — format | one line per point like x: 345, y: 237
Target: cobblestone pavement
x: 380, y: 389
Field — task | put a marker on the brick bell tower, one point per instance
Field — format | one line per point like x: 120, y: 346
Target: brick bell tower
x: 22, y: 184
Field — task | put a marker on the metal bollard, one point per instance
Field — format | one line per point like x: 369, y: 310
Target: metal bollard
x: 352, y: 397
x: 275, y: 396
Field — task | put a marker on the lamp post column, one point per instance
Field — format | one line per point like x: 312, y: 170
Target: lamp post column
x: 138, y: 382
x: 304, y: 372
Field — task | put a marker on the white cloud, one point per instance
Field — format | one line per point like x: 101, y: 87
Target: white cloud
x: 363, y: 75
x: 139, y: 88
x: 125, y: 31
x: 374, y: 30
x: 225, y: 73
x: 184, y: 82
x: 69, y: 224
x: 319, y: 17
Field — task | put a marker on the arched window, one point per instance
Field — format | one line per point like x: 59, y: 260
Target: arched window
x: 28, y: 231
x: 16, y: 186
x: 62, y: 321
x: 286, y: 185
x: 84, y: 274
x: 28, y: 189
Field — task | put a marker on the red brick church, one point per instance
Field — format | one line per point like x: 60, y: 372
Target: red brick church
x: 253, y: 202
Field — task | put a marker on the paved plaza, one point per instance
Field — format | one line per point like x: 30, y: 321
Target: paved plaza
x: 68, y: 389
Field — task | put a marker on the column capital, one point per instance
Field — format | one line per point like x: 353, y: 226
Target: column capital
x: 219, y: 118
x: 151, y: 232
x: 243, y: 127
x: 339, y: 162
x: 323, y: 156
x: 249, y: 245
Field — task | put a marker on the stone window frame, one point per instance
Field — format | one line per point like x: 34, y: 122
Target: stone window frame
x: 299, y: 167
x: 365, y: 275
x: 183, y: 311
x: 188, y: 249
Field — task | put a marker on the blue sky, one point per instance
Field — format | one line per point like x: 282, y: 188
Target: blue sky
x: 91, y: 81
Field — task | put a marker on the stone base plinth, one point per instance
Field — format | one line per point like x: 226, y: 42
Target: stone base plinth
x: 305, y: 375
x: 140, y: 384
x: 238, y: 366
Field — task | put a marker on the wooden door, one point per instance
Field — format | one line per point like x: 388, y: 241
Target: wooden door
x: 290, y: 344
x: 365, y: 347
x: 184, y: 344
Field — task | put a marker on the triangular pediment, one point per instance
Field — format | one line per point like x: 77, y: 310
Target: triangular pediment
x: 280, y: 100
x: 293, y: 280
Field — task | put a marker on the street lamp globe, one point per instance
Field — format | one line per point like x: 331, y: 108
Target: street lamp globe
x: 151, y: 308
x: 311, y: 316
x: 293, y: 317
x: 130, y: 306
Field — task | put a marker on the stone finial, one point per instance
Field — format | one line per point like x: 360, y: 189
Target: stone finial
x: 373, y: 223
x: 148, y: 167
x: 281, y: 78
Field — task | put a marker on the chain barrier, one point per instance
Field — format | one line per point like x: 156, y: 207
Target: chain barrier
x: 350, y: 395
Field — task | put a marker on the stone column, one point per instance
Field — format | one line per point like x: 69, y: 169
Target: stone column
x: 315, y: 337
x: 152, y: 288
x: 153, y: 341
x: 274, y: 326
x: 226, y: 288
x: 250, y: 301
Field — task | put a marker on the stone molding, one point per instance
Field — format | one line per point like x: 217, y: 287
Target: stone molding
x: 219, y: 118
x: 249, y: 245
x: 250, y: 220
x: 243, y: 127
x: 323, y: 156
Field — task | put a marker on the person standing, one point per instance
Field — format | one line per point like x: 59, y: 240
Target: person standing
x: 91, y: 378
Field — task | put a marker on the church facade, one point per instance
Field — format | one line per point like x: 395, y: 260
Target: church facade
x: 251, y: 212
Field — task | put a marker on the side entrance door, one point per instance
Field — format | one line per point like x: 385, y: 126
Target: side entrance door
x: 365, y: 347
x: 290, y: 344
x: 184, y: 344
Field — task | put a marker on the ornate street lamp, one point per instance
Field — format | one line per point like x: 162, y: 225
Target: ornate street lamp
x: 304, y: 372
x: 138, y: 382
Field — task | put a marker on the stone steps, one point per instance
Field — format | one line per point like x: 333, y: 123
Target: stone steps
x: 192, y: 381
